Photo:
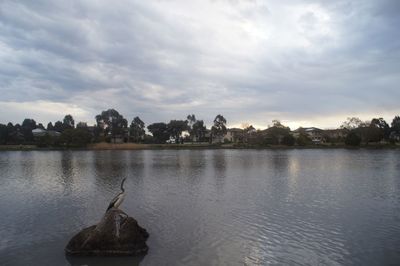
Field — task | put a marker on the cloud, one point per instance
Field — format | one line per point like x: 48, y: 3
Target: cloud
x: 42, y: 111
x: 252, y: 61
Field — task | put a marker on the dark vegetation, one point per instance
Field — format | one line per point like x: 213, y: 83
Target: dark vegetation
x: 112, y: 127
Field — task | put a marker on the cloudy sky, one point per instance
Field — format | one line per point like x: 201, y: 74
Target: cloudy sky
x: 301, y: 61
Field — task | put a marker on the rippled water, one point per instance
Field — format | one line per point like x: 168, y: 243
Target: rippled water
x: 207, y: 207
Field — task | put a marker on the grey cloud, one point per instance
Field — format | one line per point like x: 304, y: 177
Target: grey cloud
x: 161, y: 60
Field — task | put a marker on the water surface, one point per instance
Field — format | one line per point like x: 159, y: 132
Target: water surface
x: 207, y: 207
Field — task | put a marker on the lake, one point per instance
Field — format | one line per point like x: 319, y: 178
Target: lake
x: 207, y: 207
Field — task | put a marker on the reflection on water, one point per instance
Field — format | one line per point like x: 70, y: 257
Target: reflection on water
x: 207, y: 207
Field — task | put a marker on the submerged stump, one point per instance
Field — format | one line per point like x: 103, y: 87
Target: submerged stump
x: 116, y: 234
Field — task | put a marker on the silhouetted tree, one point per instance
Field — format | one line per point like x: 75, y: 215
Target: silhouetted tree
x: 14, y: 135
x: 199, y: 130
x: 396, y: 124
x: 176, y: 127
x: 26, y: 129
x: 383, y: 127
x: 59, y: 126
x: 75, y: 137
x: 82, y: 125
x: 159, y: 131
x: 50, y: 126
x: 191, y: 119
x: 137, y: 129
x: 352, y: 123
x: 276, y: 133
x: 3, y: 134
x: 111, y: 122
x: 219, y: 127
x: 68, y: 122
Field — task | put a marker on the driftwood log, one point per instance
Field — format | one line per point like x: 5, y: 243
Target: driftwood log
x: 116, y: 234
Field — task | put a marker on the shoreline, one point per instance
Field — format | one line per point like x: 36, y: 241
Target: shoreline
x: 190, y: 146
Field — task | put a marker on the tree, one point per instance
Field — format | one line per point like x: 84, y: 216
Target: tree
x: 191, y: 119
x: 199, y: 130
x: 381, y: 124
x: 3, y: 134
x: 159, y: 131
x: 50, y: 126
x: 303, y: 139
x: 276, y: 133
x: 352, y: 139
x: 396, y: 124
x: 219, y: 127
x: 277, y: 123
x: 14, y: 135
x: 82, y: 125
x: 352, y: 123
x: 26, y: 128
x: 176, y: 127
x: 288, y: 140
x: 137, y: 129
x: 75, y: 137
x: 68, y: 122
x: 111, y: 122
x: 59, y: 126
x: 40, y: 126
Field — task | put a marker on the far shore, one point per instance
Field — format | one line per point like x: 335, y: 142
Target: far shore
x: 191, y: 146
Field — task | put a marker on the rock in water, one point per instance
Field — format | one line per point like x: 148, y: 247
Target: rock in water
x: 116, y: 234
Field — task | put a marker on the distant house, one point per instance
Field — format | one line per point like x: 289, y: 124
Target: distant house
x: 38, y: 132
x: 315, y: 134
x: 234, y: 135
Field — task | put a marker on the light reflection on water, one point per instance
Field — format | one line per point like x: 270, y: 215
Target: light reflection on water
x: 207, y: 207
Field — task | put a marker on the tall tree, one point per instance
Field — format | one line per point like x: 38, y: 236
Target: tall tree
x: 3, y: 134
x: 191, y: 119
x: 59, y: 126
x: 219, y: 127
x: 82, y: 125
x: 50, y: 126
x: 381, y: 124
x: 176, y: 127
x: 111, y: 122
x: 68, y: 122
x: 137, y: 129
x: 396, y: 124
x: 26, y: 128
x: 352, y: 123
x: 159, y: 132
x: 199, y: 130
x: 277, y: 133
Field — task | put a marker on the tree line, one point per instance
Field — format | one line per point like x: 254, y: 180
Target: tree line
x: 366, y: 132
x: 111, y: 126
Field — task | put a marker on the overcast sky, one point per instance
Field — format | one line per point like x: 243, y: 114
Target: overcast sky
x: 301, y: 61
